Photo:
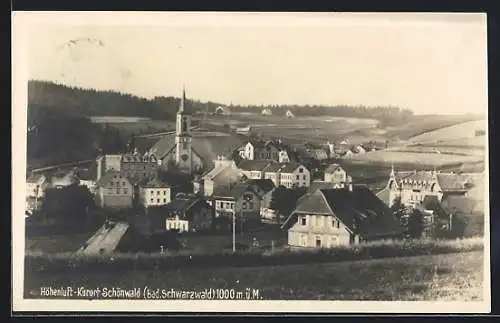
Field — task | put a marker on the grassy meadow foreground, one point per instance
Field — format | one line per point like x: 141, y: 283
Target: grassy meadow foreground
x: 456, y: 276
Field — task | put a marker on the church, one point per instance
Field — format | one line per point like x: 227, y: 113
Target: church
x: 182, y: 153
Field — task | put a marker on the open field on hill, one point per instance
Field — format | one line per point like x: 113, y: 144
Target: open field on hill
x: 433, y: 149
x: 456, y: 276
x: 413, y: 158
x: 454, y: 132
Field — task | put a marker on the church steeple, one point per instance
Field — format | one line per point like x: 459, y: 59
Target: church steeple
x: 183, y: 100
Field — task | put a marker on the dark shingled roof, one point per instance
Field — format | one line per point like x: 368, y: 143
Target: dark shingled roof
x: 254, y: 165
x: 233, y: 191
x: 89, y: 174
x: 384, y: 196
x: 282, y: 167
x: 360, y: 210
x: 208, y: 147
x: 332, y: 168
x: 154, y: 182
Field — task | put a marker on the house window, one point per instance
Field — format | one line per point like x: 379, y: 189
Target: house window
x: 334, y: 223
x: 304, y: 177
x: 298, y: 177
x: 164, y: 192
x: 301, y: 170
x: 151, y: 200
x: 338, y: 224
x: 164, y: 200
x: 123, y: 184
x: 152, y: 192
x: 303, y: 220
x: 125, y: 191
x: 251, y: 205
x: 117, y: 191
x: 157, y: 192
x: 157, y: 200
x: 244, y: 206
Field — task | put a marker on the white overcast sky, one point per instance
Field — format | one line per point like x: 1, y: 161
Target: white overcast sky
x: 430, y: 63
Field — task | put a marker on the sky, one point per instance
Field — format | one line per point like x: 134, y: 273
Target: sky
x: 429, y: 63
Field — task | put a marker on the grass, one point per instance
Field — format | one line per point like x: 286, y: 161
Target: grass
x: 185, y: 259
x: 424, y: 159
x: 59, y: 243
x: 457, y: 276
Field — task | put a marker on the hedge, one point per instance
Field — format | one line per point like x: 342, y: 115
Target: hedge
x: 39, y: 262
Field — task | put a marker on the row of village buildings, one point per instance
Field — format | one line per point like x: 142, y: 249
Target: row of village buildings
x: 332, y: 212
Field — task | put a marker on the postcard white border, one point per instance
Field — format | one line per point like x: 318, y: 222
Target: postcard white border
x: 21, y: 20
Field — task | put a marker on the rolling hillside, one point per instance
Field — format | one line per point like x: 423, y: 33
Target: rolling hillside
x: 459, y: 135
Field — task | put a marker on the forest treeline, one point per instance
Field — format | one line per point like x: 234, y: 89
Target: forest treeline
x: 91, y: 102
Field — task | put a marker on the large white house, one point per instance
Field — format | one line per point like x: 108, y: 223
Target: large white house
x: 289, y: 175
x: 154, y: 193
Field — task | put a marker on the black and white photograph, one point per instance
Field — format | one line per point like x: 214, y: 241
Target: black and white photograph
x: 250, y: 162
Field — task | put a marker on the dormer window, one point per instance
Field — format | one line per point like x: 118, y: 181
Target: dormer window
x: 301, y: 170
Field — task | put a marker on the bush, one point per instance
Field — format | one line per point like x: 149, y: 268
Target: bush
x: 36, y: 262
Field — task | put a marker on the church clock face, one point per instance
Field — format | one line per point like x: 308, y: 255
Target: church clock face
x: 184, y: 157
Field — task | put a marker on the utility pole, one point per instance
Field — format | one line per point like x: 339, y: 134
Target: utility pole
x: 234, y: 231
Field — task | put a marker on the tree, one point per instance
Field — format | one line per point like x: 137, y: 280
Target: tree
x: 67, y: 206
x: 416, y: 224
x: 280, y: 200
x: 399, y: 211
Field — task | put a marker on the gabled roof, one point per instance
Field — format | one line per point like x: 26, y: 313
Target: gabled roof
x: 360, y: 210
x: 332, y: 168
x: 253, y: 165
x: 154, y: 182
x: 384, y: 196
x: 89, y: 174
x: 265, y: 185
x: 182, y: 205
x: 453, y: 182
x: 206, y: 146
x: 316, y: 185
x: 289, y: 167
x: 231, y: 191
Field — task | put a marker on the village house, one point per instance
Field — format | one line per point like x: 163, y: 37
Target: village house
x: 253, y: 169
x: 136, y: 165
x: 289, y: 175
x: 264, y: 188
x: 224, y: 173
x: 271, y: 150
x: 191, y: 214
x: 340, y: 217
x: 63, y: 178
x: 108, y: 162
x: 114, y: 190
x: 154, y: 192
x: 239, y: 200
x: 266, y: 112
x: 88, y: 177
x: 358, y: 149
x: 336, y: 175
x: 411, y: 187
x: 36, y: 184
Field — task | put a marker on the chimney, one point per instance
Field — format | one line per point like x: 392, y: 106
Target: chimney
x: 349, y: 183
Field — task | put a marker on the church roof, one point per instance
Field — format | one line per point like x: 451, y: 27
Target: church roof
x: 207, y: 147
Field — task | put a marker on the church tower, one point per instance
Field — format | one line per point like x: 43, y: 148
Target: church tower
x: 183, y: 140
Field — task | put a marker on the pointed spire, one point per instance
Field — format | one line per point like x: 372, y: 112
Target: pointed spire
x: 183, y: 99
x: 392, y: 170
